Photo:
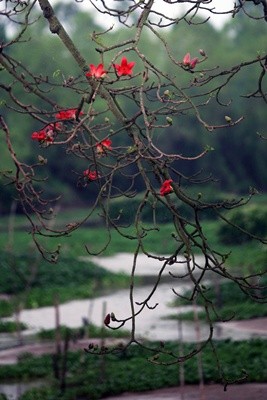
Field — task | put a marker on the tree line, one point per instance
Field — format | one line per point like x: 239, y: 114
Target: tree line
x: 236, y: 158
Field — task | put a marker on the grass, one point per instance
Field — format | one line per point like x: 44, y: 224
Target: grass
x: 96, y: 239
x: 91, y: 331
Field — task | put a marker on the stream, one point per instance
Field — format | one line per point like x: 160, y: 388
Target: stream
x: 151, y: 323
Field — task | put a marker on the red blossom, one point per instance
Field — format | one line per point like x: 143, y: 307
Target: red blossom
x: 90, y: 175
x: 40, y: 136
x: 187, y: 59
x: 190, y: 62
x: 96, y: 71
x: 166, y: 187
x: 107, y: 320
x: 103, y: 146
x: 47, y: 133
x: 56, y: 126
x: 68, y: 114
x: 125, y: 68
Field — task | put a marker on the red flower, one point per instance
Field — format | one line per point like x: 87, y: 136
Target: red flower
x: 47, y: 133
x: 188, y: 62
x: 56, y: 126
x: 96, y: 72
x: 166, y: 187
x: 107, y: 320
x: 124, y: 68
x: 68, y: 114
x: 90, y: 175
x: 103, y: 146
x: 41, y: 136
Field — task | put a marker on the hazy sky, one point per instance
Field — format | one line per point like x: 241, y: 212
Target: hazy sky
x: 159, y: 5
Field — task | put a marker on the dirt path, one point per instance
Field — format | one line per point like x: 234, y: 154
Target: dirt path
x: 11, y: 356
x: 248, y: 391
x: 257, y: 325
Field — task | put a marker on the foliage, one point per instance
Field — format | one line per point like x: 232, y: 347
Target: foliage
x: 70, y: 279
x: 229, y: 301
x: 6, y: 308
x: 10, y: 326
x: 68, y: 273
x: 125, y: 371
x: 89, y: 330
x: 252, y: 220
x: 229, y: 160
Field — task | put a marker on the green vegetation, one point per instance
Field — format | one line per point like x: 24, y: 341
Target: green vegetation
x: 158, y: 237
x: 90, y: 330
x: 91, y: 376
x: 31, y: 281
x: 252, y: 219
x: 230, y: 302
x: 235, y: 167
x: 6, y: 308
x: 10, y: 326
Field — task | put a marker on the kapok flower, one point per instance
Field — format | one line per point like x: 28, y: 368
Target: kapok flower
x: 90, y: 175
x: 103, y: 146
x: 47, y: 133
x: 166, y: 187
x: 190, y: 62
x: 41, y: 136
x: 97, y: 72
x: 68, y: 114
x: 125, y: 68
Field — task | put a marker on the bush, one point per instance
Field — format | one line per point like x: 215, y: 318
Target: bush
x: 6, y: 308
x: 11, y: 326
x: 125, y: 210
x: 67, y: 272
x: 252, y: 219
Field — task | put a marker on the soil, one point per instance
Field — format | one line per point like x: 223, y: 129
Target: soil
x: 248, y: 391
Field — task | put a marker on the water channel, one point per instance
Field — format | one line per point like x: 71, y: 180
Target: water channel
x: 151, y: 323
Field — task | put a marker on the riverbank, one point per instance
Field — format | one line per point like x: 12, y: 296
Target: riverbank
x: 246, y: 391
x: 256, y: 327
x: 11, y: 356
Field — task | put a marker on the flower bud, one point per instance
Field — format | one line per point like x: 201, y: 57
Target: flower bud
x: 169, y: 120
x: 107, y: 320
